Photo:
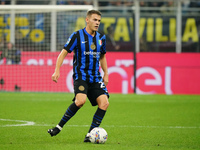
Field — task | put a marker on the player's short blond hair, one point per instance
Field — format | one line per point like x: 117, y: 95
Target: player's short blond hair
x: 91, y: 12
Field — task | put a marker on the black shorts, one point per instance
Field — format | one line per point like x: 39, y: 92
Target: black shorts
x: 92, y: 90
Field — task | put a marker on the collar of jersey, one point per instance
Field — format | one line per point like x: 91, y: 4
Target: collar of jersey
x: 88, y: 33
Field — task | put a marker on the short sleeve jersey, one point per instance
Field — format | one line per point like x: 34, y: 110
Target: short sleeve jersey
x: 87, y: 50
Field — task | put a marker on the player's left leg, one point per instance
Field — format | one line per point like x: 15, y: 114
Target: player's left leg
x: 103, y: 104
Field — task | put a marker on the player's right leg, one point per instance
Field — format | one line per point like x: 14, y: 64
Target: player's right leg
x: 80, y: 89
x: 70, y: 112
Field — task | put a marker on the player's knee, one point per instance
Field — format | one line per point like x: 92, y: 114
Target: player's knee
x: 104, y: 105
x: 80, y: 99
x: 102, y: 102
x: 80, y: 102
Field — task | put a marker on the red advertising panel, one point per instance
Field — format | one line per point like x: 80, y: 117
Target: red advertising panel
x: 157, y: 73
x: 168, y: 73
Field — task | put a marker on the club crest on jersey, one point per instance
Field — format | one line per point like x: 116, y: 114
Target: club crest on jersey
x: 93, y: 46
x: 81, y: 88
x: 100, y: 42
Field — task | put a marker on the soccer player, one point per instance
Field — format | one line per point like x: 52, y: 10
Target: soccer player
x: 89, y: 50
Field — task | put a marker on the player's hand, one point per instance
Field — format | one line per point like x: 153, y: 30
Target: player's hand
x: 105, y: 79
x: 55, y: 76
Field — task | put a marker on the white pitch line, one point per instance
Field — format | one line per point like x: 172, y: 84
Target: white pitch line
x: 129, y: 126
x: 24, y: 123
x: 31, y: 123
x: 170, y: 127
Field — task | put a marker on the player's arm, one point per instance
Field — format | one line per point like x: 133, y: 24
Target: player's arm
x: 103, y: 63
x: 59, y: 62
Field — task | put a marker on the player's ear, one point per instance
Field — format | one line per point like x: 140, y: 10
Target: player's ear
x: 87, y: 19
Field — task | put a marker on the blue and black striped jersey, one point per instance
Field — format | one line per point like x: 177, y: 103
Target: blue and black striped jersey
x: 87, y: 50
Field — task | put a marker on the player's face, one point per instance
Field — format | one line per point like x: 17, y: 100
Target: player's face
x: 93, y: 22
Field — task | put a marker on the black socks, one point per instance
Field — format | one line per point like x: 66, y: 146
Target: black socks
x: 97, y: 118
x: 71, y: 111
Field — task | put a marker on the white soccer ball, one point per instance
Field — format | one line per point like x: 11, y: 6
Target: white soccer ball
x: 98, y: 135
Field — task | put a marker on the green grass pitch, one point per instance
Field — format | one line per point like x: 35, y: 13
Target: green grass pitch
x: 133, y: 122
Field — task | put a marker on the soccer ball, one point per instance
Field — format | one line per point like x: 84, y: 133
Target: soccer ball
x: 98, y: 135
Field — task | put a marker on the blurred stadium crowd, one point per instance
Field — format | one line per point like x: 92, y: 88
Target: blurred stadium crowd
x: 145, y: 3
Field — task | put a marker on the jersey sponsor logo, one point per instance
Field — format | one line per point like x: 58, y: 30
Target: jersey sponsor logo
x: 95, y: 54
